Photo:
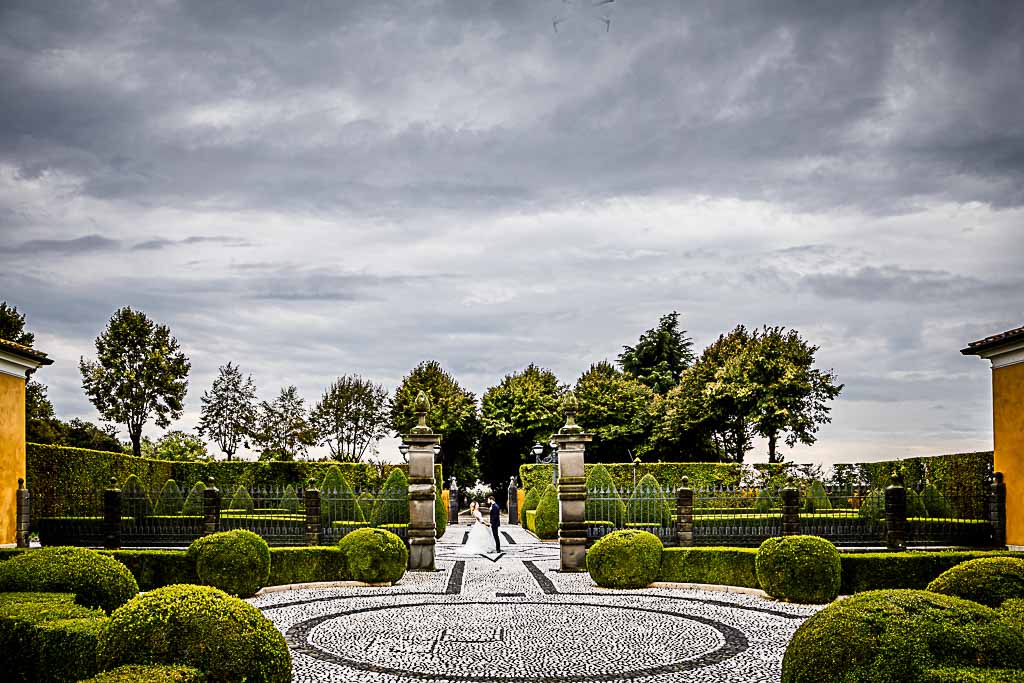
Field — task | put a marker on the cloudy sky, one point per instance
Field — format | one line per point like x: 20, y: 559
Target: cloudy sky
x: 315, y: 188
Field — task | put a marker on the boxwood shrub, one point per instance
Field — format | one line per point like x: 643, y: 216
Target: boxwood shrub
x: 440, y: 514
x: 546, y: 521
x: 530, y: 502
x: 135, y: 673
x: 236, y: 561
x: 610, y: 507
x: 194, y: 500
x: 647, y: 505
x: 722, y: 566
x: 625, y: 559
x: 899, y: 635
x: 96, y: 580
x: 199, y: 626
x: 241, y: 501
x: 306, y: 565
x: 155, y: 568
x: 47, y: 637
x: 816, y: 499
x: 936, y: 503
x: 914, y: 569
x: 374, y: 555
x: 989, y: 580
x: 799, y: 569
x: 392, y: 506
x: 170, y: 501
x: 973, y: 675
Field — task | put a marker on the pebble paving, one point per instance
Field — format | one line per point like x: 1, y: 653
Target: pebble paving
x: 513, y: 618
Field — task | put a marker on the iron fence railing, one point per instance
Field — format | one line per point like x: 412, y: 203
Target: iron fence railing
x: 647, y: 507
x: 277, y: 514
x: 345, y: 510
x: 69, y: 520
x: 737, y: 516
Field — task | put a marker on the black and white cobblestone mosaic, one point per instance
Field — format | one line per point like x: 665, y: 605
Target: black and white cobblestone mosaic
x: 514, y: 620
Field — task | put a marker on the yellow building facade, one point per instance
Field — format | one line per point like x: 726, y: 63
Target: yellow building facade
x: 17, y: 362
x: 1005, y: 351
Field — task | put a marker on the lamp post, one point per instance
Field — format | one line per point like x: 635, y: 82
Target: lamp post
x: 403, y: 448
x: 552, y: 459
x: 636, y: 463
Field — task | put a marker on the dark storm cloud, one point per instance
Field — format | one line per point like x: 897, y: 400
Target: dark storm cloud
x: 322, y: 106
x: 163, y: 243
x: 76, y: 245
x: 894, y: 283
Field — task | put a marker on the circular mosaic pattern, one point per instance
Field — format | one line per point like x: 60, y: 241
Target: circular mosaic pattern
x: 572, y: 640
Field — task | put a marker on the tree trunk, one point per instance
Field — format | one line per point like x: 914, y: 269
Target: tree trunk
x: 772, y: 441
x: 135, y: 434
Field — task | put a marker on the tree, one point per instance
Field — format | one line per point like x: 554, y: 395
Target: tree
x: 228, y: 413
x: 179, y: 445
x: 617, y: 409
x: 660, y: 356
x: 41, y: 424
x: 12, y: 326
x: 139, y: 373
x: 789, y: 395
x: 84, y: 434
x: 452, y: 414
x: 523, y: 409
x: 282, y: 431
x: 351, y: 416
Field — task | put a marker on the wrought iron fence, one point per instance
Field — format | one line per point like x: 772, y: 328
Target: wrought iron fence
x: 935, y: 518
x: 150, y: 519
x: 276, y: 514
x: 69, y: 520
x: 344, y: 510
x: 737, y: 516
x: 848, y: 516
x: 647, y: 507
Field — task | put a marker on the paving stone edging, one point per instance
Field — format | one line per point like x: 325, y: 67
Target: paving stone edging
x: 319, y: 584
x: 712, y: 588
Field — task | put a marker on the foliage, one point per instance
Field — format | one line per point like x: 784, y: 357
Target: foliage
x: 530, y: 502
x: 392, y: 507
x: 155, y: 568
x: 306, y: 565
x: 898, y: 635
x: 721, y: 566
x: 135, y: 501
x: 12, y: 326
x: 935, y: 503
x: 135, y: 673
x: 871, y: 571
x: 915, y: 505
x: 524, y: 408
x: 179, y: 445
x: 47, y: 637
x: 241, y: 500
x: 366, y: 501
x: 282, y: 429
x: 194, y: 501
x: 452, y: 414
x: 337, y: 500
x: 41, y: 424
x: 139, y: 373
x: 224, y: 637
x: 625, y: 559
x: 546, y: 522
x: 700, y: 475
x: 96, y: 580
x: 972, y: 675
x: 816, y: 498
x: 873, y: 505
x: 799, y: 569
x: 228, y: 412
x: 478, y: 492
x: 990, y: 580
x: 170, y: 501
x: 613, y: 510
x: 660, y: 356
x: 290, y: 499
x: 374, y: 555
x: 236, y: 561
x: 617, y: 409
x: 647, y: 505
x: 440, y: 514
x: 351, y: 416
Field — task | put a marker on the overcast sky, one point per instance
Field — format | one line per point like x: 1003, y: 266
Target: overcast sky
x: 315, y: 188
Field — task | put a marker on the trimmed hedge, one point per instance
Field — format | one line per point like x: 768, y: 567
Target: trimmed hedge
x: 236, y: 561
x: 194, y: 502
x: 440, y: 514
x: 914, y: 569
x: 241, y: 501
x: 337, y: 499
x: 134, y: 673
x: 799, y: 569
x: 546, y: 520
x: 816, y: 498
x: 530, y: 502
x: 47, y: 637
x: 392, y: 507
x: 898, y: 635
x: 170, y: 500
x: 96, y: 580
x: 224, y: 637
x: 971, y: 675
x: 989, y: 580
x: 306, y: 565
x: 720, y: 566
x: 613, y: 509
x: 647, y: 506
x: 625, y: 559
x: 156, y: 568
x: 374, y: 555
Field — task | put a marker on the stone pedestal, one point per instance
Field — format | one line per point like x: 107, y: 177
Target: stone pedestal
x: 572, y: 491
x: 422, y: 523
x: 513, y: 503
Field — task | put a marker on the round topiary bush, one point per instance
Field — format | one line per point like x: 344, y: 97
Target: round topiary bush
x: 530, y: 502
x: 799, y: 569
x: 237, y: 561
x: 374, y: 555
x: 224, y: 637
x: 625, y: 559
x: 546, y: 521
x: 96, y: 580
x: 897, y: 636
x: 988, y: 580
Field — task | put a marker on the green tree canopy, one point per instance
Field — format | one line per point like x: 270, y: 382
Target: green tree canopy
x: 283, y: 431
x: 139, y: 374
x: 180, y: 445
x: 660, y: 356
x: 452, y: 414
x: 351, y: 417
x: 523, y: 409
x: 12, y: 326
x: 228, y: 412
x: 617, y: 409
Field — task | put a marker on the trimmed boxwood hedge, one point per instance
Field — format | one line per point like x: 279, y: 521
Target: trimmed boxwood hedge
x: 611, y: 509
x: 530, y: 502
x: 374, y: 555
x: 306, y: 565
x: 47, y: 637
x: 721, y: 566
x: 224, y: 637
x: 799, y: 569
x: 546, y: 521
x: 625, y: 559
x: 135, y: 673
x: 913, y: 569
x: 392, y: 504
x: 989, y: 580
x: 972, y: 675
x: 899, y: 635
x: 155, y: 568
x: 96, y: 580
x: 236, y: 561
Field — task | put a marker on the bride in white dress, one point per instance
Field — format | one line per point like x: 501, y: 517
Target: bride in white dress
x: 479, y: 536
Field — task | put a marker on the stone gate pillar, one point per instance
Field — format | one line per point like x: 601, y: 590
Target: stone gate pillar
x: 422, y: 523
x: 572, y: 489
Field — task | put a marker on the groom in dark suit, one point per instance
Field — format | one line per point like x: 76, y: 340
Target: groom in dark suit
x: 495, y: 522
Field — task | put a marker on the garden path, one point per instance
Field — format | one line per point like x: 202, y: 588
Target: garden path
x: 513, y: 618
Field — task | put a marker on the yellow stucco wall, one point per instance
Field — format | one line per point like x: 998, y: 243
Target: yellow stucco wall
x: 1008, y: 428
x: 12, y: 451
